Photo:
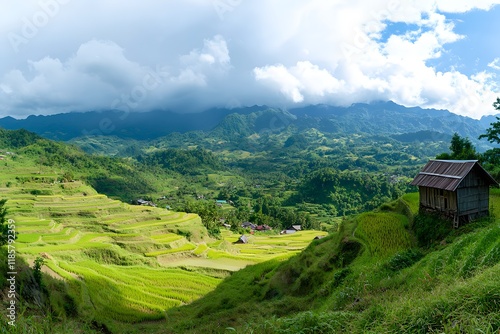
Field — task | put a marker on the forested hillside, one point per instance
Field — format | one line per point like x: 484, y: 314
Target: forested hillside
x: 309, y: 175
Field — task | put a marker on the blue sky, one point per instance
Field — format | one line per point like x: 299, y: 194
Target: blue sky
x: 480, y: 45
x: 189, y: 55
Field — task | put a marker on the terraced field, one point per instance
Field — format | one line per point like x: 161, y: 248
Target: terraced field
x: 122, y: 262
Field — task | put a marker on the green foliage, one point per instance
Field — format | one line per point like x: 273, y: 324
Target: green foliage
x: 461, y: 149
x: 37, y: 270
x: 341, y: 189
x: 298, y: 141
x: 307, y: 323
x: 17, y: 138
x: 209, y: 213
x: 491, y: 158
x: 493, y: 133
x: 340, y: 276
x: 38, y: 192
x: 358, y: 273
x: 430, y: 229
x: 404, y: 259
x: 189, y: 162
x: 4, y: 228
x: 451, y: 289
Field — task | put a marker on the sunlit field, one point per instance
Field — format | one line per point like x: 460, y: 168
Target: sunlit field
x: 122, y: 262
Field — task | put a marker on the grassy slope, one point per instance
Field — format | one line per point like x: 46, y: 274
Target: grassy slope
x: 362, y: 280
x: 122, y: 264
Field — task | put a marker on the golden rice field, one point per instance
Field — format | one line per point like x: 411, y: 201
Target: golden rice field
x: 122, y: 262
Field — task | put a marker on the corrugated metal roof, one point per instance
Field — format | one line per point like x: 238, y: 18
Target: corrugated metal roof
x: 448, y: 174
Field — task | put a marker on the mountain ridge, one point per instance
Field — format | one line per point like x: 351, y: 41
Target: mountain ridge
x: 374, y: 118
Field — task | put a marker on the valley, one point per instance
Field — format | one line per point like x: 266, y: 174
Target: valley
x: 139, y: 235
x: 145, y: 259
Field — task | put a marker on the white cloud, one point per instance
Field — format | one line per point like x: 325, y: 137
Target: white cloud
x: 281, y: 78
x: 495, y: 64
x: 396, y: 69
x: 99, y: 73
x: 278, y: 52
x: 461, y: 6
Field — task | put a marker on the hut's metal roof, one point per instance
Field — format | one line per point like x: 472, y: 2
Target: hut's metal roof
x: 448, y: 174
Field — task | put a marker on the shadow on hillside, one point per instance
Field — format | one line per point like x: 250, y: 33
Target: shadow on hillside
x: 42, y: 303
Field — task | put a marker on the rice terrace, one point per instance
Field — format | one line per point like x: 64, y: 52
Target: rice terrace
x: 124, y: 263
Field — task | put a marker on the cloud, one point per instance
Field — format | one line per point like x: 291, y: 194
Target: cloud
x: 282, y: 79
x: 395, y: 69
x: 99, y: 74
x: 302, y: 79
x: 495, y: 64
x: 192, y: 55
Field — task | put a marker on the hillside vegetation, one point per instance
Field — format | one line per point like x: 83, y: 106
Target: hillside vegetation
x: 121, y: 264
x: 174, y: 268
x: 370, y: 277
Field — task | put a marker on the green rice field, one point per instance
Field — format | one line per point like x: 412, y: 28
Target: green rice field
x: 122, y: 262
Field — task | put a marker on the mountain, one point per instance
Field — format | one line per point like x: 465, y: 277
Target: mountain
x: 147, y: 125
x: 386, y: 118
x: 237, y: 125
x: 376, y: 118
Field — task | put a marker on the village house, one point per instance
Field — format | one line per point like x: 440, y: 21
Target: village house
x: 292, y: 229
x: 249, y: 225
x: 242, y: 240
x: 457, y: 189
x: 143, y: 202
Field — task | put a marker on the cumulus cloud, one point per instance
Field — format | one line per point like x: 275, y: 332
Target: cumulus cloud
x: 192, y: 55
x: 396, y: 69
x: 99, y: 74
x: 302, y: 79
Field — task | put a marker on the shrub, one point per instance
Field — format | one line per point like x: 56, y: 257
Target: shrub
x: 37, y: 270
x: 430, y: 228
x: 38, y: 192
x: 404, y: 259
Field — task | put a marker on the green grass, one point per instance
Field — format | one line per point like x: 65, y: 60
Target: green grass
x: 348, y: 283
x: 138, y: 293
x: 383, y: 233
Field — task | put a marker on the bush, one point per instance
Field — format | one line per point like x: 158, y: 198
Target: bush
x: 38, y: 192
x: 404, y: 259
x: 430, y: 228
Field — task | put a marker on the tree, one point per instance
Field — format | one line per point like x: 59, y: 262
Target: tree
x: 37, y: 270
x: 493, y: 133
x: 461, y: 149
x: 491, y: 158
x: 3, y: 226
x: 209, y: 214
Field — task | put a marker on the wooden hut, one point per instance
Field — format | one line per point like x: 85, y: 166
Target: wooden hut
x: 242, y: 240
x: 459, y: 189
